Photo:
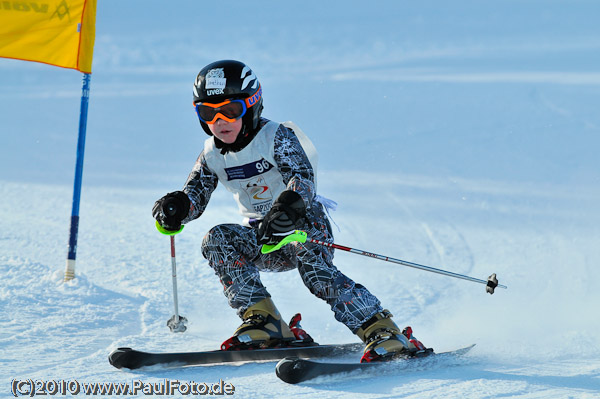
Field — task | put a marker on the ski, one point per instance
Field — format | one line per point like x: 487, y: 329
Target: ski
x: 134, y: 359
x: 294, y: 370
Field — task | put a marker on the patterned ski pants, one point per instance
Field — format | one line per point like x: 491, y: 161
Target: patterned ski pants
x: 232, y: 251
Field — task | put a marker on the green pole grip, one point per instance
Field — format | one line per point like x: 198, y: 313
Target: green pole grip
x: 296, y: 236
x: 164, y: 231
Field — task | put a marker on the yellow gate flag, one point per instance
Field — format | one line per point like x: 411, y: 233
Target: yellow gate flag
x: 55, y: 32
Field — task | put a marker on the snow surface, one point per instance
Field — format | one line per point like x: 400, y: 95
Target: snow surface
x: 462, y: 136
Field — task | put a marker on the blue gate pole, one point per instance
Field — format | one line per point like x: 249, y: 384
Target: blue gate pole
x: 85, y: 96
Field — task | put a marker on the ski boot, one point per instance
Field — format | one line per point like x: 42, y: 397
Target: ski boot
x: 385, y: 341
x: 262, y: 328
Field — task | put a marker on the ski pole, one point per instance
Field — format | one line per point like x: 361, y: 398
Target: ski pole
x: 176, y: 323
x: 301, y: 236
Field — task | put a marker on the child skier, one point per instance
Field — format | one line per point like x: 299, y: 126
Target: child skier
x: 265, y: 166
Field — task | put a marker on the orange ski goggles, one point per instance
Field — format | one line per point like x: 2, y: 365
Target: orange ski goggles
x: 229, y: 110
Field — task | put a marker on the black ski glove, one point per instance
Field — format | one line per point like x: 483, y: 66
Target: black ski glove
x: 171, y: 209
x: 286, y: 215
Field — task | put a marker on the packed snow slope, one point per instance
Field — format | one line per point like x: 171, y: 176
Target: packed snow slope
x: 461, y: 136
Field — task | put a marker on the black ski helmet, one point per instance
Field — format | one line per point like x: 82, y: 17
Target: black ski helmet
x: 226, y: 79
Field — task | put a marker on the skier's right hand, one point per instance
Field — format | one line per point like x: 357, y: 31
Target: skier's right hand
x: 171, y: 209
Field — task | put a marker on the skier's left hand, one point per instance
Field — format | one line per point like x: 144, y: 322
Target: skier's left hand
x: 286, y: 215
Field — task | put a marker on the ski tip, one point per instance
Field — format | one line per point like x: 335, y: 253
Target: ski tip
x: 458, y: 352
x: 118, y: 357
x: 467, y: 348
x: 290, y: 369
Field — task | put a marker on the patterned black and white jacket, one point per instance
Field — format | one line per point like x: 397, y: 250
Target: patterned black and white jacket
x: 275, y: 160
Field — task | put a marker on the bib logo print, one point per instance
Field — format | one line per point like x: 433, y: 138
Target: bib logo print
x: 260, y: 194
